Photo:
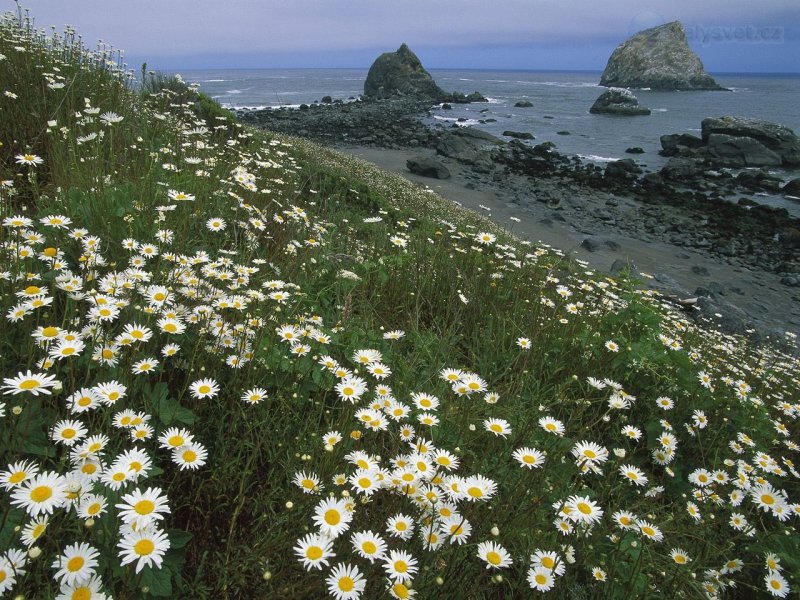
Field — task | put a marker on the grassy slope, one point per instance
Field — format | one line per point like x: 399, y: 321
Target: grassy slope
x: 296, y: 213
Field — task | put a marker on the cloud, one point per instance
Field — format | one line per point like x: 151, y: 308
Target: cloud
x: 182, y: 28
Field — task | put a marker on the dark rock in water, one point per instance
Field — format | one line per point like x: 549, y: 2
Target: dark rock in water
x: 730, y: 151
x: 520, y: 135
x: 446, y: 106
x: 634, y: 150
x: 563, y: 133
x: 618, y: 101
x: 400, y: 73
x: 625, y: 169
x: 679, y: 144
x: 428, y: 167
x: 759, y: 181
x: 682, y: 168
x: 523, y: 104
x: 658, y: 58
x: 698, y: 270
x: 460, y: 98
x: 777, y: 139
x: 303, y: 107
x: 792, y: 188
x: 326, y: 100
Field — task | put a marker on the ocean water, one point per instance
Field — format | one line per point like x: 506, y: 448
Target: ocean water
x: 561, y: 102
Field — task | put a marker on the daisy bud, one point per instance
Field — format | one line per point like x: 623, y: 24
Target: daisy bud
x: 17, y: 410
x: 290, y: 504
x: 267, y: 575
x: 34, y: 552
x: 439, y: 581
x: 89, y: 523
x: 495, y: 531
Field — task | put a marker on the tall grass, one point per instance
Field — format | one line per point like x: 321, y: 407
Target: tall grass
x: 283, y: 318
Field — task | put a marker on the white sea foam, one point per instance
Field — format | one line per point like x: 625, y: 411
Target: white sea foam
x: 233, y: 91
x: 596, y: 158
x: 659, y: 109
x: 213, y: 80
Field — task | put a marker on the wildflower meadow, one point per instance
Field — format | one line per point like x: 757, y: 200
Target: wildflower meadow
x: 237, y: 365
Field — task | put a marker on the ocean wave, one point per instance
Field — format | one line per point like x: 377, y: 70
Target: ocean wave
x: 596, y: 158
x: 233, y: 91
x: 213, y: 80
x: 659, y: 109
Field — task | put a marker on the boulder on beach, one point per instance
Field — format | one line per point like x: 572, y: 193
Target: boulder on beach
x: 658, y: 58
x: 400, y: 73
x: 428, y: 167
x: 466, y: 144
x: 618, y: 101
x: 523, y: 104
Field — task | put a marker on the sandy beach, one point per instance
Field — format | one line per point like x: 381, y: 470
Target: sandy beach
x: 677, y: 271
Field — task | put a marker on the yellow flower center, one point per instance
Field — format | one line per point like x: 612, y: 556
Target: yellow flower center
x: 648, y: 531
x: 584, y: 508
x: 41, y: 493
x: 81, y: 593
x: 475, y: 492
x: 365, y: 482
x: 32, y: 289
x: 29, y: 384
x: 589, y: 454
x: 493, y: 558
x: 94, y: 509
x: 332, y: 517
x: 400, y: 566
x: 767, y: 499
x: 144, y: 547
x: 75, y: 563
x: 17, y: 477
x: 189, y: 456
x: 176, y: 440
x: 346, y: 584
x: 68, y: 433
x: 314, y: 553
x: 400, y: 590
x: 369, y: 547
x: 119, y: 476
x: 144, y: 507
x: 50, y: 332
x: 540, y: 579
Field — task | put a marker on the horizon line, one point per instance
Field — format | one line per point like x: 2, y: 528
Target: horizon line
x: 477, y: 69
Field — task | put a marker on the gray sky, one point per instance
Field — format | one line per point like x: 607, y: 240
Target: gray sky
x: 729, y: 35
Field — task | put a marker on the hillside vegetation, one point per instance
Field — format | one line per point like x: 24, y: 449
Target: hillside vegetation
x: 243, y: 366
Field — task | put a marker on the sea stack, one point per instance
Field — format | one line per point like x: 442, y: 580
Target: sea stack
x: 400, y: 73
x: 618, y: 101
x: 660, y: 59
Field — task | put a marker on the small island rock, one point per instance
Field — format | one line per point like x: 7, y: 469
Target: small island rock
x: 618, y: 101
x: 400, y: 73
x: 658, y: 58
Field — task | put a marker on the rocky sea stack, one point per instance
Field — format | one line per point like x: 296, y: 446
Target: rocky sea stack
x: 618, y: 101
x: 400, y: 73
x: 658, y: 58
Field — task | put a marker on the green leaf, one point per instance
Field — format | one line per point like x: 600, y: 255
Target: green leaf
x: 158, y: 581
x: 170, y: 410
x: 178, y: 538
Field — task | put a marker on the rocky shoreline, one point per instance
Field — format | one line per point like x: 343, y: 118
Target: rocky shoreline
x: 685, y: 205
